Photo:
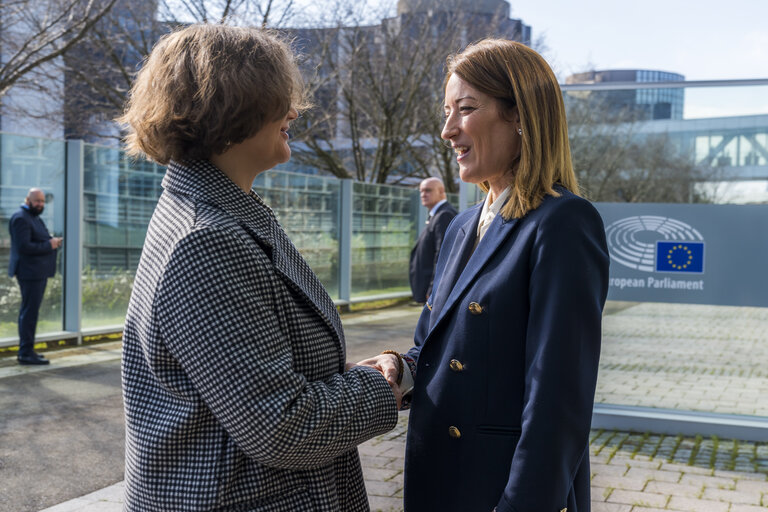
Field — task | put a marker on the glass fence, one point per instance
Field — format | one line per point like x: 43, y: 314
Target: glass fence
x: 308, y: 209
x: 679, y: 338
x: 27, y: 162
x: 119, y: 195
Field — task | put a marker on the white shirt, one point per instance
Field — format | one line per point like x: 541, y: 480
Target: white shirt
x: 489, y: 212
x: 434, y: 208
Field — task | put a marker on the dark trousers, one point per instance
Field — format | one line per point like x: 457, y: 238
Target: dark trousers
x: 31, y: 296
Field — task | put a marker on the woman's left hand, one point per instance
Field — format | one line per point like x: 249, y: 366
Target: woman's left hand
x: 387, y: 365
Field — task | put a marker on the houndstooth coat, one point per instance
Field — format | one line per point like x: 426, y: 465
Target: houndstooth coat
x: 235, y: 393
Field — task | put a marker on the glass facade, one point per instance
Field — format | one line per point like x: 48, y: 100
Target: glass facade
x: 27, y: 162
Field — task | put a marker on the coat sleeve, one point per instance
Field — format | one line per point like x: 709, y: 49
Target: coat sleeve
x: 21, y: 232
x: 568, y: 285
x: 220, y: 320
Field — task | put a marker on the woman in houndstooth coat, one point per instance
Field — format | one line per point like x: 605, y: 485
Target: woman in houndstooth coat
x: 236, y: 395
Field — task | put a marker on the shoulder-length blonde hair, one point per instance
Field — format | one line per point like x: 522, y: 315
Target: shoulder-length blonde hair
x: 517, y: 76
x: 205, y: 87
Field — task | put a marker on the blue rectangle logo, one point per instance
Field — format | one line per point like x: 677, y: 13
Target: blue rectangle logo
x: 680, y: 257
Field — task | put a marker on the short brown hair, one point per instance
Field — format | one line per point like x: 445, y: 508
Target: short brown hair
x: 517, y: 76
x: 204, y: 87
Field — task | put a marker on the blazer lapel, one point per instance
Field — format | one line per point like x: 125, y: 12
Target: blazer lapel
x: 458, y: 256
x: 497, y: 233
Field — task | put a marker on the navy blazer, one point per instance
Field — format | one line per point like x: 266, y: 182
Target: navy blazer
x: 424, y: 254
x: 32, y: 256
x: 507, y: 353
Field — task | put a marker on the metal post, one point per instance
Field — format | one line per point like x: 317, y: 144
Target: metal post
x: 73, y: 238
x: 345, y: 241
x: 462, y: 196
x: 421, y: 215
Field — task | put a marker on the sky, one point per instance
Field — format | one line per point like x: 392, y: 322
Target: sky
x: 701, y: 39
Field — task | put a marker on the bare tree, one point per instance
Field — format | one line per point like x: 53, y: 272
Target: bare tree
x: 616, y: 160
x: 371, y: 85
x: 101, y: 69
x: 35, y: 32
x: 380, y: 93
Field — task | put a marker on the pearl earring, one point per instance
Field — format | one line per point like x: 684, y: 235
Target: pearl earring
x: 519, y: 131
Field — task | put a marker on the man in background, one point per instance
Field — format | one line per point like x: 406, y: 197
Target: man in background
x: 33, y: 261
x: 424, y: 254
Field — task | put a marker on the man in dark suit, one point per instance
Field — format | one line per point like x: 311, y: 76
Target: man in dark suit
x: 424, y: 254
x: 33, y: 261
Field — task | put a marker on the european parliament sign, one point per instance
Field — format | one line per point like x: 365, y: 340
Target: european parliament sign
x: 687, y: 253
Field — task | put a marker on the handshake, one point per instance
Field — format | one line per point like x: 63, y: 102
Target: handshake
x: 394, y: 368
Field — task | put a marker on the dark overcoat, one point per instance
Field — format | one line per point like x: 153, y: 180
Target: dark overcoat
x: 235, y: 393
x: 421, y: 269
x: 32, y: 257
x: 507, y: 351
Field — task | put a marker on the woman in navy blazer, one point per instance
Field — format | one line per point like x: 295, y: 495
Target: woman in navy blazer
x: 506, y: 351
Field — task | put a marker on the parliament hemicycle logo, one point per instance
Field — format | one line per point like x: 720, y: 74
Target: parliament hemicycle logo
x: 656, y: 244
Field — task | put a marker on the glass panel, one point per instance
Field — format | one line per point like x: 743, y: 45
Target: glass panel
x: 709, y: 146
x: 119, y: 196
x: 308, y: 209
x: 27, y: 162
x: 383, y: 232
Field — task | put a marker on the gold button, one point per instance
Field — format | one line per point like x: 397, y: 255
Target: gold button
x: 456, y: 365
x: 564, y: 510
x: 429, y: 306
x: 454, y: 432
x: 475, y: 308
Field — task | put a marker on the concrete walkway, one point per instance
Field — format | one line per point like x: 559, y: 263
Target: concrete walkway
x: 694, y: 357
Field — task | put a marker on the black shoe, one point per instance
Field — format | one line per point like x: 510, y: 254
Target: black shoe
x: 32, y: 360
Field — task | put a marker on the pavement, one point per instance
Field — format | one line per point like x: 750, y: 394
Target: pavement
x: 661, y: 355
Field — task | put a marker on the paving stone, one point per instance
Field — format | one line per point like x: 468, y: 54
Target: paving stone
x: 740, y: 497
x: 385, y: 504
x: 380, y: 473
x: 752, y: 485
x: 381, y: 462
x: 688, y: 491
x: 655, y: 475
x: 599, y: 493
x: 708, y: 481
x: 646, y: 499
x: 696, y: 505
x: 608, y: 469
x: 746, y: 508
x: 618, y: 482
x: 610, y: 507
x: 684, y: 468
x: 379, y: 488
x: 639, y: 462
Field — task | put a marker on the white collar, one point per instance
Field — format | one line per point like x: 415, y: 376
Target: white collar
x: 493, y: 209
x: 434, y: 208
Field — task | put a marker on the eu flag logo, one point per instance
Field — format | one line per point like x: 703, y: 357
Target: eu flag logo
x: 680, y: 257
